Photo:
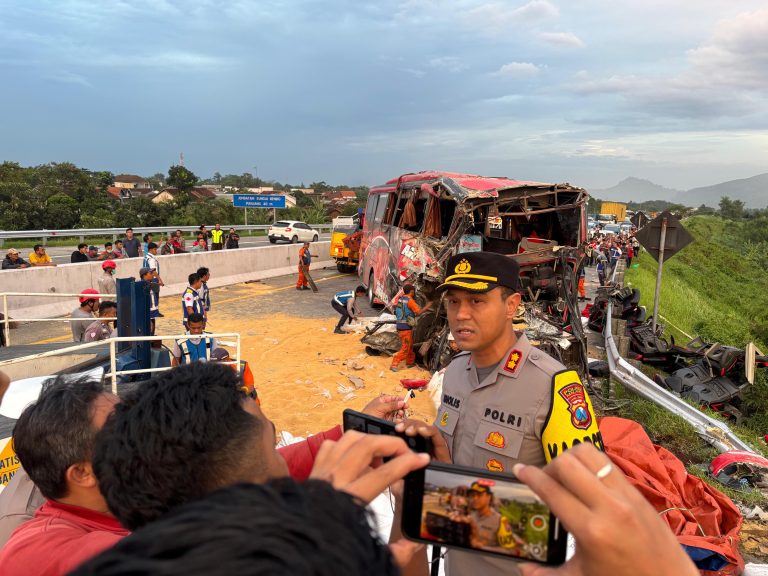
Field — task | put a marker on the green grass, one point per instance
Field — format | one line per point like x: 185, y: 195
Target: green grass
x: 709, y: 289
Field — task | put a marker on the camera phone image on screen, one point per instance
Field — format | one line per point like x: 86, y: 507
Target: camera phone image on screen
x: 484, y: 514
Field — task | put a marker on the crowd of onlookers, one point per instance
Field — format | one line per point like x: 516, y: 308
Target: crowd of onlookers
x: 131, y: 247
x: 604, y: 250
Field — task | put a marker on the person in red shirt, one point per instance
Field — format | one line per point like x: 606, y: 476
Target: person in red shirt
x: 190, y: 431
x: 54, y: 439
x: 406, y: 311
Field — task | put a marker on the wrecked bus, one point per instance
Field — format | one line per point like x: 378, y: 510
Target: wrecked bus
x: 414, y: 223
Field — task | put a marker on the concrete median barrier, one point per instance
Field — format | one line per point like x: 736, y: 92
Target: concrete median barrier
x: 226, y: 266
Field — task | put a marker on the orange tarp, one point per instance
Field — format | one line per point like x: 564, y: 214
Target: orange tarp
x: 704, y: 519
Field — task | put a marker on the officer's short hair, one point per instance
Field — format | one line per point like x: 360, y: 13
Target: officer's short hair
x: 106, y: 305
x: 176, y: 439
x: 202, y: 271
x: 195, y: 317
x: 279, y: 527
x: 194, y: 277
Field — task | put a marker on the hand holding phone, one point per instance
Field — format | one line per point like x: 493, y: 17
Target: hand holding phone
x: 353, y: 464
x: 481, y: 512
x: 354, y: 420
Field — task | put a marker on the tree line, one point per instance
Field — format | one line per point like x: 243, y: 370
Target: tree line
x: 65, y: 196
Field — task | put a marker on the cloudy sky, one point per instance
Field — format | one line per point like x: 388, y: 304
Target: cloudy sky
x: 356, y: 92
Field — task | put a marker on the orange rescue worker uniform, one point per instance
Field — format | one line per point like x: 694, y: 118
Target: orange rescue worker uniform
x: 406, y: 311
x: 305, y: 259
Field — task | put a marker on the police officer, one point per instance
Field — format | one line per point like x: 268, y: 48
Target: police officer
x: 503, y: 401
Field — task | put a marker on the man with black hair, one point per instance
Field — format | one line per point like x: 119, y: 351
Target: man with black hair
x: 190, y: 299
x: 345, y: 303
x: 205, y: 295
x: 148, y: 457
x: 193, y: 349
x: 280, y: 527
x: 131, y: 244
x: 53, y: 439
x: 39, y: 257
x: 102, y: 329
x: 148, y: 275
x: 79, y: 255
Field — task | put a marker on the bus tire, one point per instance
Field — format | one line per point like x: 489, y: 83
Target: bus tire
x: 371, y: 296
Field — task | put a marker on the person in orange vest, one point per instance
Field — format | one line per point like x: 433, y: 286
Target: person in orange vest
x: 249, y: 386
x: 305, y: 259
x: 406, y: 311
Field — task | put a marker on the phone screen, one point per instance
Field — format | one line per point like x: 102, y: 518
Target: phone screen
x: 482, y: 512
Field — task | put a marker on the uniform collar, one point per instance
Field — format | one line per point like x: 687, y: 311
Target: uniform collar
x: 512, y: 362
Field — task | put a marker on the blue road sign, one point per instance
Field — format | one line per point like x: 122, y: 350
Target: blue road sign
x: 258, y: 201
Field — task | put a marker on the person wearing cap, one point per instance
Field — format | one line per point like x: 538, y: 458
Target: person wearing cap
x: 150, y: 261
x: 244, y: 371
x: 93, y: 253
x: 88, y: 305
x: 107, y: 279
x: 149, y: 275
x: 406, y: 311
x: 305, y: 260
x: 13, y: 261
x: 79, y: 255
x: 102, y: 329
x: 39, y: 257
x: 504, y: 402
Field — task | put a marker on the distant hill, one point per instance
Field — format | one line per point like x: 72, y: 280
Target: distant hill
x: 636, y: 190
x: 752, y: 191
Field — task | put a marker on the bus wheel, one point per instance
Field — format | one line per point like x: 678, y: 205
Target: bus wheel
x: 371, y: 296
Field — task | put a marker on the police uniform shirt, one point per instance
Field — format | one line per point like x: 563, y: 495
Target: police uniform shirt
x: 487, y: 527
x: 498, y: 422
x: 97, y: 331
x: 527, y: 402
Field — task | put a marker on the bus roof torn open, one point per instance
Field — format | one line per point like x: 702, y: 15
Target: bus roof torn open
x: 414, y: 223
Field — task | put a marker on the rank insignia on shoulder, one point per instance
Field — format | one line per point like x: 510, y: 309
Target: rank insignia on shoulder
x: 513, y: 361
x: 494, y: 465
x: 444, y: 419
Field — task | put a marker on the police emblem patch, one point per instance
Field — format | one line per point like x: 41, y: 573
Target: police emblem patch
x: 513, y: 361
x: 444, y: 419
x: 463, y: 267
x: 494, y: 465
x: 576, y: 399
x: 496, y: 439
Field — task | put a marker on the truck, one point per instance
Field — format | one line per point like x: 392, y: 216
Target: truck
x: 616, y: 209
x: 345, y: 243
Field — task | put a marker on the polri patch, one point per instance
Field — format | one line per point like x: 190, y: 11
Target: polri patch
x: 496, y: 439
x: 576, y: 398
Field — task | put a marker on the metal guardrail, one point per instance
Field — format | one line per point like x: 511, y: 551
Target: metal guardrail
x: 7, y: 321
x: 113, y: 342
x: 713, y: 431
x: 116, y: 233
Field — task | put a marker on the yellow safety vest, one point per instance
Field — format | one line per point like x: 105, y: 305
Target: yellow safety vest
x: 216, y: 236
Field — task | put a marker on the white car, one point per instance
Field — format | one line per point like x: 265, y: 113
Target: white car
x: 292, y: 231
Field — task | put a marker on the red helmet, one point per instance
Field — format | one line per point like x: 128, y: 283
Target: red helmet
x: 84, y: 299
x: 108, y: 265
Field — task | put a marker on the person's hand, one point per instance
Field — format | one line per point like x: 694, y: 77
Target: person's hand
x: 162, y: 283
x: 353, y: 464
x: 386, y: 407
x: 440, y: 451
x: 617, y: 532
x: 5, y: 381
x: 22, y: 266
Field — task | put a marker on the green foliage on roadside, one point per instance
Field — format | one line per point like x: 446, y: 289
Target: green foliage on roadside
x: 710, y: 289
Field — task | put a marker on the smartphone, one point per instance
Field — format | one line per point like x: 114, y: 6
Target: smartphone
x: 354, y: 420
x: 475, y: 510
